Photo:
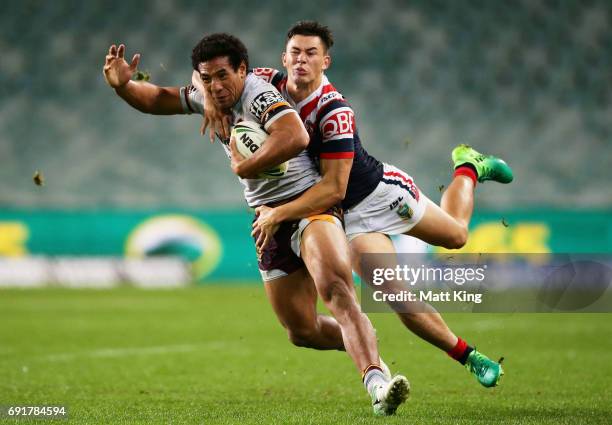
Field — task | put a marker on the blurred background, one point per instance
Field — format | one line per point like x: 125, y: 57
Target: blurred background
x: 134, y: 198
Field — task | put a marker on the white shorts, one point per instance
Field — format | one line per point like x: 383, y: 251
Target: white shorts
x: 393, y: 208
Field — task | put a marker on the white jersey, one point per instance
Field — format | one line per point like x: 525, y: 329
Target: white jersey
x: 262, y: 103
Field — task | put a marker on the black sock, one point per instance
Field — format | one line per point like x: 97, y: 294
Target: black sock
x: 466, y: 354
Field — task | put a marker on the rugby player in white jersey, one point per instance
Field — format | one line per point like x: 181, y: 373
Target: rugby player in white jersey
x: 318, y: 264
x: 379, y: 199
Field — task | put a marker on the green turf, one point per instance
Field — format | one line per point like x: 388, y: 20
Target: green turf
x: 217, y: 355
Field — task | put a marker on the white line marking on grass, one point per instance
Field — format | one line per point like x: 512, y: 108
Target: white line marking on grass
x: 134, y: 351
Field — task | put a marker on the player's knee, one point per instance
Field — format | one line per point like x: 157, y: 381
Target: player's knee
x: 333, y: 288
x: 457, y: 239
x: 301, y: 336
x: 340, y: 300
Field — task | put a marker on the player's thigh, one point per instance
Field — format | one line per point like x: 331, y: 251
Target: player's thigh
x: 437, y: 227
x: 326, y: 254
x: 370, y: 243
x: 294, y: 300
x: 379, y: 243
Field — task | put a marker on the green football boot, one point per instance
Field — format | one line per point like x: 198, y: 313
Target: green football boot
x: 488, y: 167
x: 484, y: 369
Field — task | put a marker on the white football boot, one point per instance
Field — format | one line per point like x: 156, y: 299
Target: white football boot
x: 388, y: 397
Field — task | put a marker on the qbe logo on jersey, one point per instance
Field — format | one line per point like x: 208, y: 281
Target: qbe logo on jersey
x: 263, y: 101
x: 338, y: 124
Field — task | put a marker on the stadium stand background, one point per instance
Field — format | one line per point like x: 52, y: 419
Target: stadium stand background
x: 528, y: 80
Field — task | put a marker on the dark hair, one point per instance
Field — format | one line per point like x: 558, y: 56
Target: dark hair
x: 312, y: 28
x: 218, y: 45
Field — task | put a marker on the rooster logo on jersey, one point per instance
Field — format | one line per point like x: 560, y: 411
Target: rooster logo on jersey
x: 310, y: 128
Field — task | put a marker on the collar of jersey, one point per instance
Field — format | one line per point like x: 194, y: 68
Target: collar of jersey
x: 314, y: 94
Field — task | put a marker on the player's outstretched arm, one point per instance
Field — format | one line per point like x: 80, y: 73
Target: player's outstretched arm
x: 287, y: 138
x: 143, y: 96
x: 329, y: 191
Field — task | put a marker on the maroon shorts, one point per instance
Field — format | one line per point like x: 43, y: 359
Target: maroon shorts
x: 278, y: 258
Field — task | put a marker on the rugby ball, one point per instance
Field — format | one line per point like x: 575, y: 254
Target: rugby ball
x: 250, y: 136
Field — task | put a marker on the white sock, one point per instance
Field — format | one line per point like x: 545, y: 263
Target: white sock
x: 374, y: 377
x: 385, y: 368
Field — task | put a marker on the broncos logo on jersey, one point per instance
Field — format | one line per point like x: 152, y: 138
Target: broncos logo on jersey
x: 268, y: 105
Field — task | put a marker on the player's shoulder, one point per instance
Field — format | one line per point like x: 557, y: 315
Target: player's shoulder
x: 330, y: 94
x: 260, y: 97
x: 335, y: 117
x: 331, y: 100
x: 266, y: 74
x: 271, y: 75
x: 253, y: 80
x: 254, y: 86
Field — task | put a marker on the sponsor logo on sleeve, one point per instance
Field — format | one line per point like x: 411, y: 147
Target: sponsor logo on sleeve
x: 338, y: 124
x: 263, y: 102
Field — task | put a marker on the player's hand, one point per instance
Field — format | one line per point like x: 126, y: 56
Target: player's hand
x: 236, y: 160
x: 265, y: 226
x: 236, y: 157
x: 117, y: 72
x: 216, y: 122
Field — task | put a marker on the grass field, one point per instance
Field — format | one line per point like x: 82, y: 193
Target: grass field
x: 217, y: 355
